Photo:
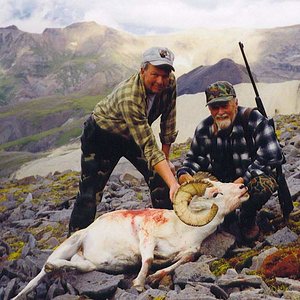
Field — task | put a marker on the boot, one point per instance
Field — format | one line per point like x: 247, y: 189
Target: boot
x: 249, y: 229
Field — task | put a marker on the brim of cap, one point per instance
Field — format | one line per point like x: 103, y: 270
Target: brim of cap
x: 220, y: 99
x: 161, y: 63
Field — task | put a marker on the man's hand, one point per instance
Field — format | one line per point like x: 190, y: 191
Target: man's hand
x: 184, y: 178
x: 173, y: 189
x: 239, y: 180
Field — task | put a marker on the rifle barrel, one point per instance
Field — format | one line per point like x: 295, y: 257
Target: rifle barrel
x: 258, y: 101
x: 248, y: 69
x: 284, y: 194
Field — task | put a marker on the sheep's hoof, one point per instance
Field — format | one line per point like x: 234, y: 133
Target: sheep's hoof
x: 138, y: 286
x: 154, y: 279
x: 49, y: 267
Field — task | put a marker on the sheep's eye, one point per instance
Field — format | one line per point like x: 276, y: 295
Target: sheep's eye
x: 217, y: 193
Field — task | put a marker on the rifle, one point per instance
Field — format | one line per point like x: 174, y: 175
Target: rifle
x: 284, y: 194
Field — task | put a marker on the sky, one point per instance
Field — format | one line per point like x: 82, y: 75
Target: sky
x: 145, y: 17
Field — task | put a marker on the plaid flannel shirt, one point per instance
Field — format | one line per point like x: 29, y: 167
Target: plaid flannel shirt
x: 226, y: 156
x: 124, y: 112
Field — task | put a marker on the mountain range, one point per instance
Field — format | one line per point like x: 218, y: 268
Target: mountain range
x: 198, y: 79
x: 88, y: 58
x: 49, y: 82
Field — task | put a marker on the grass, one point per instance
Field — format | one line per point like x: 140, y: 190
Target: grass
x: 36, y: 111
x: 36, y: 114
x: 41, y: 107
x: 7, y: 88
x: 29, y: 139
x: 11, y: 161
x: 68, y: 135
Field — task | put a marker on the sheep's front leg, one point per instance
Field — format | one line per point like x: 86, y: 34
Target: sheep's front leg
x: 146, y: 249
x: 158, y: 276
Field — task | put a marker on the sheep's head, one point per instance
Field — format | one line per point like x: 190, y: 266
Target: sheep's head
x: 184, y: 197
x: 193, y: 202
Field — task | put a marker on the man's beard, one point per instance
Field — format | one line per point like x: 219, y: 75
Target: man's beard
x: 223, y: 122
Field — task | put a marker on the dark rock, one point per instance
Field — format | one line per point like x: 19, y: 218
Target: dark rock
x: 130, y: 180
x: 282, y: 237
x: 10, y: 289
x: 224, y: 241
x: 192, y: 292
x: 125, y: 295
x: 290, y: 283
x: 152, y: 294
x: 10, y: 203
x: 258, y: 260
x: 233, y: 279
x: 27, y: 180
x: 96, y: 284
x: 41, y: 290
x: 59, y: 216
x: 294, y: 185
x: 5, y: 246
x: 68, y: 297
x: 193, y: 272
x: 56, y: 289
x: 294, y: 295
x: 250, y: 294
x: 71, y: 290
x: 218, y: 292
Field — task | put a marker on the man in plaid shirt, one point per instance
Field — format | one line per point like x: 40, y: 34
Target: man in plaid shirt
x: 220, y: 147
x: 120, y: 125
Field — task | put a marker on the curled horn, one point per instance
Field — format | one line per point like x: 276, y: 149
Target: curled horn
x: 204, y: 175
x: 182, y: 199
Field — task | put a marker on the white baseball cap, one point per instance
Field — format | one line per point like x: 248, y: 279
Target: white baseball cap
x: 158, y: 56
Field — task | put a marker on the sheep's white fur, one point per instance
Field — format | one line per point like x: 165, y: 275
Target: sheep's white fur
x: 126, y: 238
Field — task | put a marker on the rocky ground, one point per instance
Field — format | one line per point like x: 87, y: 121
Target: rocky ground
x: 34, y: 215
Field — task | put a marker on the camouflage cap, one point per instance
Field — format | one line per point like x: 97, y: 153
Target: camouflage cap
x: 219, y: 91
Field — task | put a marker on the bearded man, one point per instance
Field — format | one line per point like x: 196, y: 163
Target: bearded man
x: 220, y: 146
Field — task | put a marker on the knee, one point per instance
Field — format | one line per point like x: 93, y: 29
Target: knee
x: 263, y: 186
x: 260, y: 190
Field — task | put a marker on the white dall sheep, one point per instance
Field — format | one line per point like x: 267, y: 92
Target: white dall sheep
x: 127, y: 238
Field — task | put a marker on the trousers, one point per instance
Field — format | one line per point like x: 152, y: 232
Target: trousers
x: 101, y: 151
x: 260, y: 189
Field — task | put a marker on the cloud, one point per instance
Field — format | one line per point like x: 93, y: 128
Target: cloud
x: 144, y: 17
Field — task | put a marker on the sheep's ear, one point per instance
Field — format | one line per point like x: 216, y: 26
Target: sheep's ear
x: 182, y: 199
